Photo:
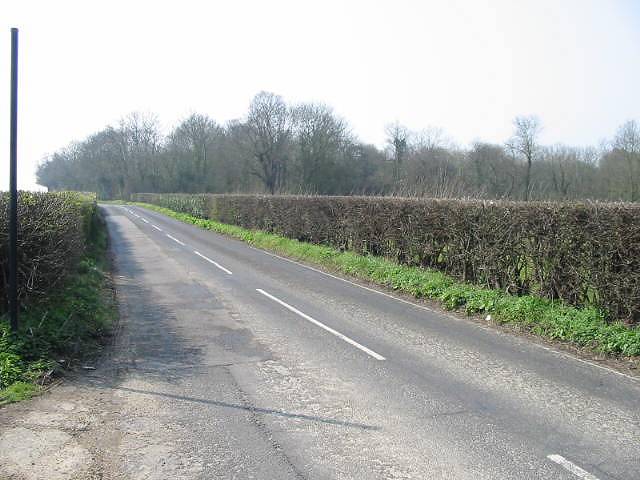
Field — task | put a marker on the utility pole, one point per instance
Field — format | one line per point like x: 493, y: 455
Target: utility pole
x: 13, y: 186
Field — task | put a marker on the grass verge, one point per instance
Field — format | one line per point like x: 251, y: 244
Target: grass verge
x: 583, y: 327
x: 68, y: 326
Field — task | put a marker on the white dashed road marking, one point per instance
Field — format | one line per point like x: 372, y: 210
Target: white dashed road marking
x: 322, y: 325
x: 213, y: 262
x: 175, y: 239
x: 572, y: 467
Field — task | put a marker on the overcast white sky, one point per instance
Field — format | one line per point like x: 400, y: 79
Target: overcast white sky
x: 466, y: 66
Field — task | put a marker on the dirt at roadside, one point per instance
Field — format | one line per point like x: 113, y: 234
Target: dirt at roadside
x: 70, y: 431
x: 66, y: 433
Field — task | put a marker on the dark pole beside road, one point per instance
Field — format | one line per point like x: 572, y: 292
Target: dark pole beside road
x: 13, y: 186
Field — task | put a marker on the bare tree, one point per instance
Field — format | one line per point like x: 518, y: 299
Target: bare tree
x: 269, y: 129
x: 561, y: 163
x: 191, y: 143
x: 491, y: 170
x: 430, y: 138
x: 322, y: 141
x: 432, y: 164
x: 398, y: 141
x: 524, y: 144
x: 138, y: 140
x: 627, y: 146
x: 309, y: 149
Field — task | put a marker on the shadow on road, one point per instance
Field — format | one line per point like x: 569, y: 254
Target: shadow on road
x: 249, y: 408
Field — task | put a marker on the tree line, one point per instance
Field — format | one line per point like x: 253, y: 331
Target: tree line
x: 306, y: 148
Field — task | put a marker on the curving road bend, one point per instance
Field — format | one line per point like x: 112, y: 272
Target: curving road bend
x: 247, y: 365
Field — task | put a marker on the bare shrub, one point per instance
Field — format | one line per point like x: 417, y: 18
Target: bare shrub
x: 582, y: 253
x: 51, y: 238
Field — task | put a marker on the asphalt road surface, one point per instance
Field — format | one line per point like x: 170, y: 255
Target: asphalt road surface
x: 254, y: 366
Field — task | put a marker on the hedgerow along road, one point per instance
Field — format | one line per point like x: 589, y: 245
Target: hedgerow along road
x: 260, y: 367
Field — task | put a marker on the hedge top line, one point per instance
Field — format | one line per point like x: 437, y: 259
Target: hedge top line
x: 419, y: 200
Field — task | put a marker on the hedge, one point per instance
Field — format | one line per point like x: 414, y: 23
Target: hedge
x: 581, y: 253
x: 52, y: 230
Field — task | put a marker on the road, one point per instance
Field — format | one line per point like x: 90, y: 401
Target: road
x: 247, y: 365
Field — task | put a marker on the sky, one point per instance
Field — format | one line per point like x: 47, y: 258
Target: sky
x: 466, y: 66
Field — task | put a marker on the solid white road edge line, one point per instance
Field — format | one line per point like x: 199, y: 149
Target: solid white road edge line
x: 572, y: 467
x: 423, y: 307
x: 322, y: 325
x: 212, y: 262
x: 175, y: 239
x: 156, y: 227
